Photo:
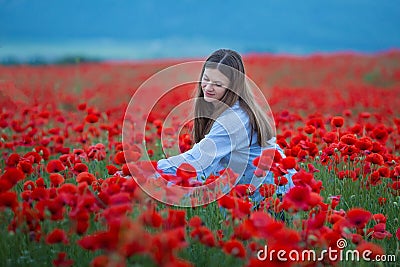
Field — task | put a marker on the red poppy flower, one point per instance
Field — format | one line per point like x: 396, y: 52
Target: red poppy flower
x: 92, y: 118
x: 96, y: 152
x: 364, y: 143
x: 358, y: 217
x: 81, y: 226
x: 119, y: 158
x: 347, y: 174
x: 380, y: 134
x: 303, y: 178
x: 186, y: 171
x: 177, y: 262
x: 234, y: 247
x: 382, y: 201
x: 348, y: 139
x: 288, y: 163
x: 356, y: 239
x: 375, y: 159
x: 43, y: 151
x: 379, y: 231
x: 79, y: 155
x: 300, y: 198
x: 335, y: 200
x: 89, y: 242
x: 8, y: 199
x: 33, y: 156
x: 55, y: 165
x: 330, y: 137
x: 80, y: 167
x: 62, y: 261
x: 242, y: 190
x: 259, y: 172
x: 12, y: 176
x: 132, y: 156
x: 337, y: 121
x: 267, y: 158
x: 242, y: 208
x: 29, y: 185
x: 281, y: 180
x: 86, y: 177
x: 396, y: 172
x: 316, y: 122
x: 398, y: 233
x: 114, y: 213
x: 195, y: 221
x: 120, y: 198
x: 244, y: 231
x: 40, y: 182
x: 169, y: 131
x: 311, y: 168
x: 68, y: 189
x: 208, y: 239
x: 175, y: 219
x: 13, y: 160
x: 82, y: 106
x: 57, y: 236
x: 309, y: 129
x: 260, y: 221
x: 56, y: 179
x: 384, y: 172
x: 5, y: 185
x: 165, y: 243
x: 373, y: 249
x: 267, y: 190
x: 395, y: 186
x: 278, y: 170
x: 226, y: 202
x: 111, y: 169
x: 100, y: 261
x: 204, y: 235
x: 263, y: 162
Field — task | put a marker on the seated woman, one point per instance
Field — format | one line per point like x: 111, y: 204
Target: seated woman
x: 230, y: 128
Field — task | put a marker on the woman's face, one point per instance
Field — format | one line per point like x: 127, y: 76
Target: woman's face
x: 214, y: 84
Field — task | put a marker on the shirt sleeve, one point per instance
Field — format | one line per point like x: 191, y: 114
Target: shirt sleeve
x: 204, y: 156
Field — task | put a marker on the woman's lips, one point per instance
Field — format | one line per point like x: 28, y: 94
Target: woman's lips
x: 209, y: 94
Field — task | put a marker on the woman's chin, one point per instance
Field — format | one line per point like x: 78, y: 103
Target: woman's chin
x: 209, y: 99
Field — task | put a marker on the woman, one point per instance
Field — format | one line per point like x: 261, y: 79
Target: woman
x: 230, y: 128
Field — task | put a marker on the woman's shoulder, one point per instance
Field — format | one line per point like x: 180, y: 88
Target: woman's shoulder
x: 235, y: 111
x: 232, y: 120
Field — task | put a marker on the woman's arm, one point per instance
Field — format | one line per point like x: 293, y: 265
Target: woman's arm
x: 206, y: 154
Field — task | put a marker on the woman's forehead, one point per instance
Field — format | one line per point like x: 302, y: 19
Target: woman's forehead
x: 215, y: 75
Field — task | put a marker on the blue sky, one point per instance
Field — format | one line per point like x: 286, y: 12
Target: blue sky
x: 130, y: 29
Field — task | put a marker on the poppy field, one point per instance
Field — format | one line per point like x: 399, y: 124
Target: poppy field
x: 69, y: 197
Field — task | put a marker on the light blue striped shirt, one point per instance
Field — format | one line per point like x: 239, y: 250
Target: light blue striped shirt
x: 227, y: 145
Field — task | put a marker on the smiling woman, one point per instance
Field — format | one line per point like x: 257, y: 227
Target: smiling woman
x: 215, y: 87
x: 230, y: 129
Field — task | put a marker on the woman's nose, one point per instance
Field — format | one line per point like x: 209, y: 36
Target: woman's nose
x: 209, y: 86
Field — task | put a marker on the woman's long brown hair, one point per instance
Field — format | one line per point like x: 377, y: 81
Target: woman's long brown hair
x: 231, y: 65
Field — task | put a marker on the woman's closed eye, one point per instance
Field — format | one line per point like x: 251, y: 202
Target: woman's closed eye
x: 212, y: 83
